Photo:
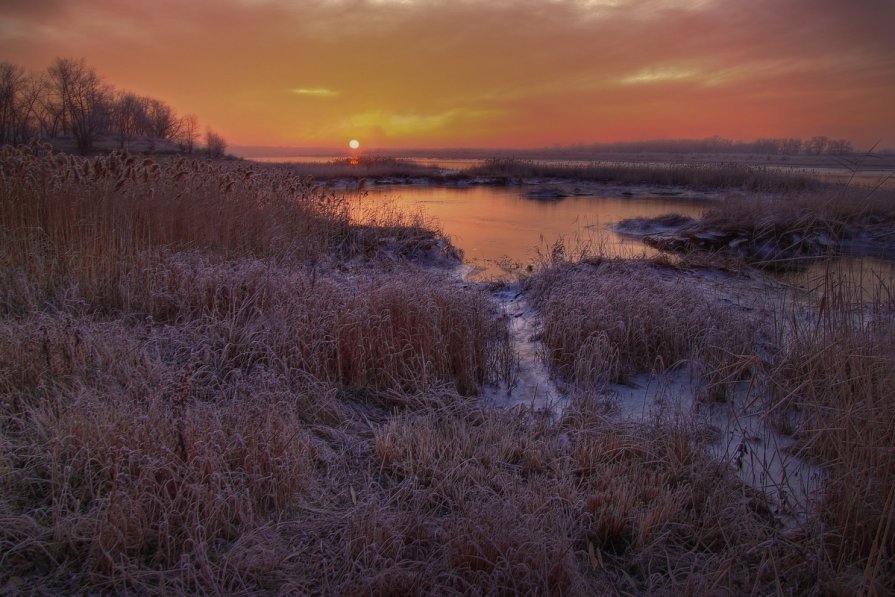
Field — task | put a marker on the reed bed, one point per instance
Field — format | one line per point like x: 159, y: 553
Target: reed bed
x: 183, y: 344
x: 364, y: 167
x: 701, y: 175
x: 720, y: 175
x: 99, y: 226
x: 830, y: 386
x: 839, y: 214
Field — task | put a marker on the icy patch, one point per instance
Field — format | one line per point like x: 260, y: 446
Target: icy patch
x: 737, y: 433
x: 530, y: 384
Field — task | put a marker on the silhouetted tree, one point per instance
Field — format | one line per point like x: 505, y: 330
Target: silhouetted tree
x: 215, y: 144
x: 816, y: 145
x: 839, y: 147
x: 791, y: 146
x: 188, y: 132
x: 128, y: 118
x: 83, y: 99
x: 161, y: 119
x: 15, y: 107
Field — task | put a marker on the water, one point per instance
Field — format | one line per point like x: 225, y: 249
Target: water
x: 866, y: 279
x: 500, y: 230
x: 439, y: 163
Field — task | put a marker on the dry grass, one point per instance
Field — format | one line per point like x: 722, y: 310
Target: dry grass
x: 202, y: 456
x: 183, y: 345
x: 720, y: 175
x: 835, y: 213
x: 827, y: 376
x: 830, y: 385
x: 790, y: 230
x: 250, y: 393
x: 605, y: 320
x: 102, y: 227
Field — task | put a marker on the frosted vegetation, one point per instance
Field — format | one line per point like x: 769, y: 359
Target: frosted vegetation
x: 218, y: 378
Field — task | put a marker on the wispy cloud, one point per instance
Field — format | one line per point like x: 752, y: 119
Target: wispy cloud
x: 315, y: 92
x: 660, y: 75
x: 400, y: 124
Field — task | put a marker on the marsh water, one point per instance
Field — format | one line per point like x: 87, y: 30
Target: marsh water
x: 501, y: 230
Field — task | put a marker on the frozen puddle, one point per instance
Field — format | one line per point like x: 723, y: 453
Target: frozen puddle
x: 736, y: 431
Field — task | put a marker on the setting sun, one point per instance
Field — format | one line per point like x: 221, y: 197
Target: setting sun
x: 354, y: 144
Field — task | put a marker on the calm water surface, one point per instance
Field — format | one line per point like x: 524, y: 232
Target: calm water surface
x: 499, y: 229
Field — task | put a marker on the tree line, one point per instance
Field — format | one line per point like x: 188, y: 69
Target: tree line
x: 70, y: 100
x: 817, y: 145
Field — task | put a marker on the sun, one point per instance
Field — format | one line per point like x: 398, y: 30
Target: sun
x: 354, y: 144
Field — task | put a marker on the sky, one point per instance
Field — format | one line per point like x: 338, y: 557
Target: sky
x: 484, y: 73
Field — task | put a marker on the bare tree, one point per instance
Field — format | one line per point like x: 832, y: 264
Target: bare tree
x: 767, y: 146
x: 70, y: 98
x: 128, y: 117
x: 188, y: 132
x: 215, y: 144
x: 16, y: 104
x: 82, y: 97
x: 791, y: 146
x: 817, y: 145
x: 839, y: 147
x: 162, y: 120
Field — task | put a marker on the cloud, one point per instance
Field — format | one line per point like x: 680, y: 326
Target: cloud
x: 391, y: 124
x: 662, y: 74
x: 315, y: 92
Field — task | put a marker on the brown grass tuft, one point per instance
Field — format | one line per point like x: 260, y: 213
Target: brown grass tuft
x: 607, y: 320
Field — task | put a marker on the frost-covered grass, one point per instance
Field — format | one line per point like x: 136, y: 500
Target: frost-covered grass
x: 214, y: 380
x: 823, y: 366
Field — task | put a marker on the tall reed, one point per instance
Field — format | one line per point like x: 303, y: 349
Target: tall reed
x: 831, y: 385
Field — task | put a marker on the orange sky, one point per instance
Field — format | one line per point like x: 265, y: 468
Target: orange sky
x: 485, y: 73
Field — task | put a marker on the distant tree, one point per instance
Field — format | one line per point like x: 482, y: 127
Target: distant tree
x: 162, y: 120
x: 817, y: 145
x: 128, y: 117
x: 839, y: 147
x: 15, y: 104
x: 215, y: 144
x: 188, y: 132
x: 82, y: 97
x: 767, y: 146
x: 791, y: 146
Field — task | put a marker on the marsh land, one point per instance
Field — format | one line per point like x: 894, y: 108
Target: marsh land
x: 232, y: 377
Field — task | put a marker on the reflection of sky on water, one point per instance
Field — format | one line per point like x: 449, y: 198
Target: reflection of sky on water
x: 492, y: 224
